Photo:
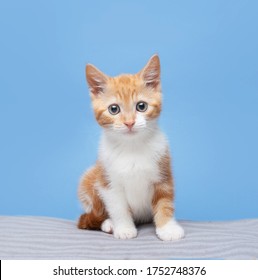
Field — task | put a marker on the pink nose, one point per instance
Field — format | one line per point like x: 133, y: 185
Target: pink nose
x: 129, y: 124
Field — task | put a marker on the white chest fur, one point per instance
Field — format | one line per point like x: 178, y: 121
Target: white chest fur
x: 132, y: 168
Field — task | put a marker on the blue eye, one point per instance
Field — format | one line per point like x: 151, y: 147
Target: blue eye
x: 141, y: 106
x: 114, y: 109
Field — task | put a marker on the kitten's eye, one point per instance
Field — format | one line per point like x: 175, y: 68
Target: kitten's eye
x: 141, y: 106
x: 114, y: 109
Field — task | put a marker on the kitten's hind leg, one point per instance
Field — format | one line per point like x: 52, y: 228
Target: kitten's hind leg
x: 91, y: 221
x: 86, y: 201
x: 95, y: 212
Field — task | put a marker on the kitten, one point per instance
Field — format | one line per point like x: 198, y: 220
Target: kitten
x: 131, y: 181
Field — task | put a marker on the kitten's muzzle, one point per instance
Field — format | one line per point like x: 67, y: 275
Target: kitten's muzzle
x: 130, y: 124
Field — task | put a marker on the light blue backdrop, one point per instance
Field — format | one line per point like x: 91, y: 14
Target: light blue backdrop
x: 48, y: 135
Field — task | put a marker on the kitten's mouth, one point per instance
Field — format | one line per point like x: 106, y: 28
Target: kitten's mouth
x: 130, y: 132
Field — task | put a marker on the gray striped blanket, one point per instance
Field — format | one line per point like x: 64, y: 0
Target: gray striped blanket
x: 51, y: 238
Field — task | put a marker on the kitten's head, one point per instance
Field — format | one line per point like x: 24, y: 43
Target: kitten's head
x: 126, y: 104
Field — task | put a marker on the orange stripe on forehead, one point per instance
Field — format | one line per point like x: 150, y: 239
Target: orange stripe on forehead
x: 124, y: 79
x: 126, y: 94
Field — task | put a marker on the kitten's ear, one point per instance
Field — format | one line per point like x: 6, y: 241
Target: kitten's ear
x: 151, y: 72
x: 96, y: 79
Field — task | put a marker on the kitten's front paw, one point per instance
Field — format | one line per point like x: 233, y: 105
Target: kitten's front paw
x: 170, y: 231
x: 125, y: 232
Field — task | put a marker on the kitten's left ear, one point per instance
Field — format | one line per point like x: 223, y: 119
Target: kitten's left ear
x: 151, y: 72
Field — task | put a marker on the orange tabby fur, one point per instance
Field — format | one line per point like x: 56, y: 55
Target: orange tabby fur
x: 162, y: 201
x: 127, y: 90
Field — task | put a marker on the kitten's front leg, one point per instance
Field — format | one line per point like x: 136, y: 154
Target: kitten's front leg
x: 167, y: 228
x: 118, y: 210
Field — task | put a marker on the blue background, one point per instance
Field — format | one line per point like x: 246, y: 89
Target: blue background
x: 48, y: 135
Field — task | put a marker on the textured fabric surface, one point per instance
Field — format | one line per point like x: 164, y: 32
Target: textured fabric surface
x: 50, y: 238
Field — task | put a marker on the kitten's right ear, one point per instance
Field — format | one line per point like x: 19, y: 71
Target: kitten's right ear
x: 96, y: 79
x: 151, y: 72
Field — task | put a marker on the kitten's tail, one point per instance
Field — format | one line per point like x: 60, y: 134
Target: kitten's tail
x: 91, y: 220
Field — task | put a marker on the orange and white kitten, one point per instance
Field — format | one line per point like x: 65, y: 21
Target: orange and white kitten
x: 131, y: 181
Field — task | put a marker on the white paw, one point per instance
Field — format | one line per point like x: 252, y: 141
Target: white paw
x: 126, y: 232
x: 170, y: 231
x: 107, y: 226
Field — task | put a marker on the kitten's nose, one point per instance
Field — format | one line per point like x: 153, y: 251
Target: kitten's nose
x: 129, y: 124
